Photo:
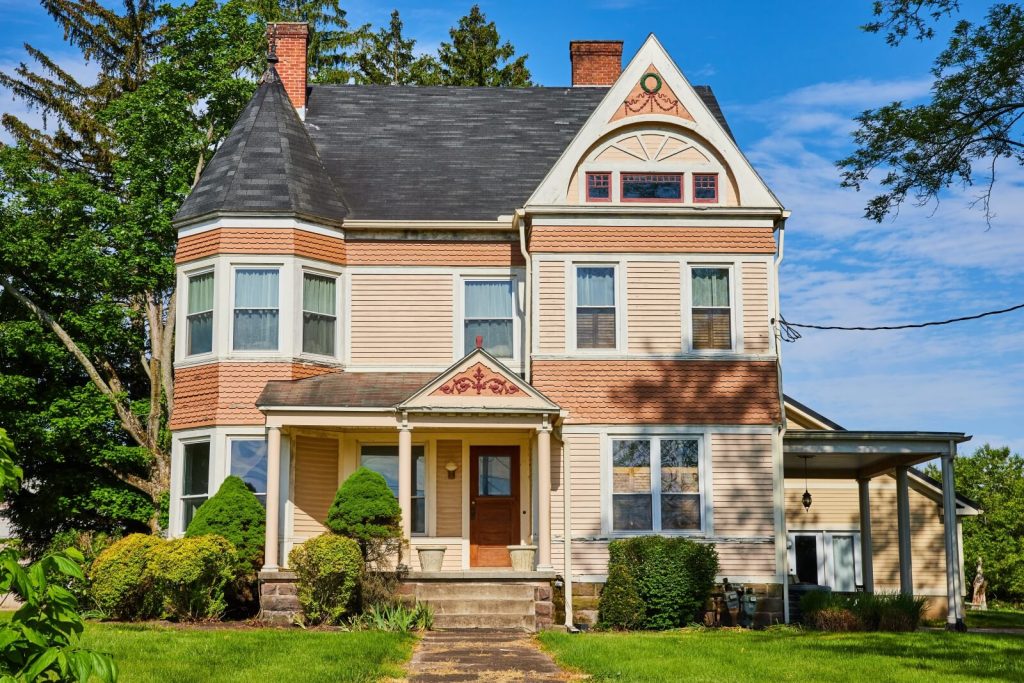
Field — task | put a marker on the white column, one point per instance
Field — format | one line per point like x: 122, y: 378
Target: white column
x: 405, y: 477
x: 954, y: 587
x: 270, y: 548
x: 544, y: 496
x: 903, y: 530
x: 866, y: 557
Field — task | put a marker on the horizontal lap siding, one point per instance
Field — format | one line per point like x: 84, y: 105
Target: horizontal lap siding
x: 433, y: 253
x: 261, y: 241
x: 315, y: 485
x: 619, y: 239
x: 653, y: 292
x: 588, y: 557
x: 551, y: 294
x: 743, y: 489
x: 401, y: 319
x: 448, y: 497
x: 746, y: 559
x: 755, y: 308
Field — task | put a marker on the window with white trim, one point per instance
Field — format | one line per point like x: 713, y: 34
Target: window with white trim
x: 249, y: 462
x: 826, y: 558
x: 595, y: 307
x: 656, y: 484
x: 195, y: 479
x: 711, y: 313
x: 257, y: 309
x: 383, y: 460
x: 199, y: 316
x: 319, y: 314
x: 488, y: 310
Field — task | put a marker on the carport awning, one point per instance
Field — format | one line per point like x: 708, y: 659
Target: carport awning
x: 837, y: 454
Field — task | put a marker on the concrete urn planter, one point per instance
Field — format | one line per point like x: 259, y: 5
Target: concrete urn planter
x: 522, y: 557
x: 431, y: 557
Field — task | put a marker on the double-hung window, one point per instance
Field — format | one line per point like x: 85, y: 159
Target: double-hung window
x: 656, y: 484
x: 199, y: 315
x: 595, y: 307
x: 319, y: 314
x: 711, y: 312
x: 256, y: 309
x: 249, y: 462
x: 488, y: 313
x: 384, y: 461
x: 195, y: 480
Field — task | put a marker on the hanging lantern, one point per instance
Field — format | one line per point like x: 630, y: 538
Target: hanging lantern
x: 806, y: 499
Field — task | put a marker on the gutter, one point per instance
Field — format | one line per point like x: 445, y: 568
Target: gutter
x: 519, y: 223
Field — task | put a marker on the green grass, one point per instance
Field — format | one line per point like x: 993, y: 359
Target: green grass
x: 790, y: 655
x: 995, y: 618
x: 152, y: 654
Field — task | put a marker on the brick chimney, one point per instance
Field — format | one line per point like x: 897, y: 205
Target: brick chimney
x: 288, y: 40
x: 595, y: 62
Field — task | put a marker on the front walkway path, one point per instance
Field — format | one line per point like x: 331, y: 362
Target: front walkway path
x: 497, y: 656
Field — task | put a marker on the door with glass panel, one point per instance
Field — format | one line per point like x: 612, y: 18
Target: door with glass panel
x: 493, y: 504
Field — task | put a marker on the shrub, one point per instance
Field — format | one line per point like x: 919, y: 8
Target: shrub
x: 121, y: 585
x: 834, y: 620
x: 872, y: 612
x: 90, y: 544
x: 234, y: 513
x: 328, y: 568
x: 190, y: 575
x: 396, y: 618
x: 671, y: 577
x: 366, y: 510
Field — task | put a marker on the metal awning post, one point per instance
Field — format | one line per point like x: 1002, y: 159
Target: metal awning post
x: 954, y: 588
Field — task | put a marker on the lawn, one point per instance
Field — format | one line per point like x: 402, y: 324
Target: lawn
x: 151, y: 654
x: 790, y: 655
x: 995, y: 618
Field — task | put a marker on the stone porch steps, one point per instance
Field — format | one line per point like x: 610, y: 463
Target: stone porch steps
x: 492, y: 605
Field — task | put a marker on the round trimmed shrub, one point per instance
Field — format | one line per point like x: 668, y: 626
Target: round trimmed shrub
x: 121, y: 584
x: 328, y: 568
x: 365, y: 509
x: 190, y: 575
x: 234, y: 513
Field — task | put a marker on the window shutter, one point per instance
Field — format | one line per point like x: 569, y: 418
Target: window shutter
x: 712, y: 328
x: 595, y: 328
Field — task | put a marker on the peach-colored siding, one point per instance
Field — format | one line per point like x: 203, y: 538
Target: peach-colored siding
x: 653, y: 292
x: 315, y: 484
x: 432, y: 253
x: 260, y: 241
x: 617, y: 239
x: 755, y: 308
x: 401, y: 319
x: 551, y: 295
x: 448, y: 500
x: 743, y: 492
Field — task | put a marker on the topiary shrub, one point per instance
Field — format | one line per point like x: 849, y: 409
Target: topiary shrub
x: 120, y: 582
x: 620, y: 606
x: 329, y: 568
x: 190, y: 576
x: 365, y: 510
x: 672, y: 577
x: 234, y: 513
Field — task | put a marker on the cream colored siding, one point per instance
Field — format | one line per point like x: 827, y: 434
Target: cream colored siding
x: 653, y: 292
x: 551, y: 294
x: 743, y: 485
x: 401, y: 319
x: 755, y: 308
x: 449, y: 491
x: 588, y: 557
x: 452, y: 561
x: 746, y: 559
x: 316, y: 482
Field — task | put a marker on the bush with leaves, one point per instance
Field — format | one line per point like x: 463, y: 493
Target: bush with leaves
x: 90, y: 544
x: 190, y: 576
x: 620, y: 606
x: 234, y: 513
x: 827, y: 611
x: 329, y: 568
x: 396, y: 618
x: 121, y: 585
x: 365, y: 510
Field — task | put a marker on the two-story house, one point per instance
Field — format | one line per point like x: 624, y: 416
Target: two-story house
x: 547, y: 316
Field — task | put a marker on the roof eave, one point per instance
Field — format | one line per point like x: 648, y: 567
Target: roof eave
x: 188, y: 221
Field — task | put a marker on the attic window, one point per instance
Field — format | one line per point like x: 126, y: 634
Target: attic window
x: 705, y: 187
x: 599, y: 186
x: 652, y: 187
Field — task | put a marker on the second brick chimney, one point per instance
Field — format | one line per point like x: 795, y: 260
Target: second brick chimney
x: 288, y: 40
x: 595, y: 62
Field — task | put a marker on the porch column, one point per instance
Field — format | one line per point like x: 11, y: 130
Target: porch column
x: 405, y: 477
x: 270, y: 549
x: 954, y: 587
x: 866, y: 557
x: 903, y: 530
x: 544, y: 494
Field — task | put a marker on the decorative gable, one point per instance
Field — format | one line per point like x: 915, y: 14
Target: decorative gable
x: 651, y: 95
x: 479, y: 379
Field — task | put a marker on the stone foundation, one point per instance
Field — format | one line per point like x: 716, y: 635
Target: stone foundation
x: 279, y: 598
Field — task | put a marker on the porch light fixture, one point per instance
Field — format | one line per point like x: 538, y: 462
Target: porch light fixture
x: 806, y: 499
x: 451, y: 468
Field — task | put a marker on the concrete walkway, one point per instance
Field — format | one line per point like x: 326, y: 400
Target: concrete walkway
x: 496, y: 656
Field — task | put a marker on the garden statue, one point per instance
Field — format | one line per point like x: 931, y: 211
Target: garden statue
x: 980, y: 584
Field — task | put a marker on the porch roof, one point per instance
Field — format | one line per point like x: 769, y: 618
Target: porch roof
x: 861, y: 454
x: 382, y: 390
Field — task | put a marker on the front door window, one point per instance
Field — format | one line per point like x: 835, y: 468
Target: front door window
x: 493, y: 504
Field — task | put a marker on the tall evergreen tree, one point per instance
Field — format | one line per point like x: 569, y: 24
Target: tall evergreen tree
x: 332, y: 44
x: 476, y: 55
x: 387, y: 58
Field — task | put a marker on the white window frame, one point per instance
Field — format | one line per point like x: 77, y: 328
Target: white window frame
x: 426, y: 477
x: 228, y: 455
x: 183, y: 498
x: 687, y: 301
x: 207, y: 269
x: 826, y: 554
x: 513, y: 279
x: 304, y: 270
x: 608, y: 492
x: 281, y: 270
x: 619, y: 303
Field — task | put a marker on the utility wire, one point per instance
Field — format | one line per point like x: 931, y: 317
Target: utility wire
x: 789, y: 332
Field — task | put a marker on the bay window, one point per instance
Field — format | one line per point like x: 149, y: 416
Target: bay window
x: 249, y: 462
x: 488, y: 310
x: 595, y: 307
x: 257, y: 310
x: 319, y: 314
x: 711, y: 311
x: 656, y: 484
x: 195, y: 480
x: 384, y: 461
x: 199, y: 315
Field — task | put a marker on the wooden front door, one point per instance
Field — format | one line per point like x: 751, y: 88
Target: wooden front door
x: 493, y: 504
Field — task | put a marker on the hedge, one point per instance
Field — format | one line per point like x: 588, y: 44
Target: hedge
x: 121, y: 583
x: 328, y: 568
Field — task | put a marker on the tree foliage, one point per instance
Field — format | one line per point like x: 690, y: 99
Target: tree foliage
x: 332, y: 44
x: 387, y: 58
x: 972, y: 121
x: 476, y: 55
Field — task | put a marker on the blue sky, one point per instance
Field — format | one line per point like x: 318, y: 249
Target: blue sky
x: 790, y: 77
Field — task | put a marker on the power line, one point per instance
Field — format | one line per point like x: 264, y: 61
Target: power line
x: 789, y: 332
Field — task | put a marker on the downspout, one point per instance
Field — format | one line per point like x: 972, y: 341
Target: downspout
x: 567, y: 535
x: 519, y: 221
x: 781, y: 535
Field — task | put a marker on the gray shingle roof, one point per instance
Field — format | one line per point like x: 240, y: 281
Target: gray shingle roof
x: 267, y: 165
x: 345, y: 390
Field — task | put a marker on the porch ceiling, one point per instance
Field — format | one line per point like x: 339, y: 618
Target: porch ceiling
x: 858, y: 454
